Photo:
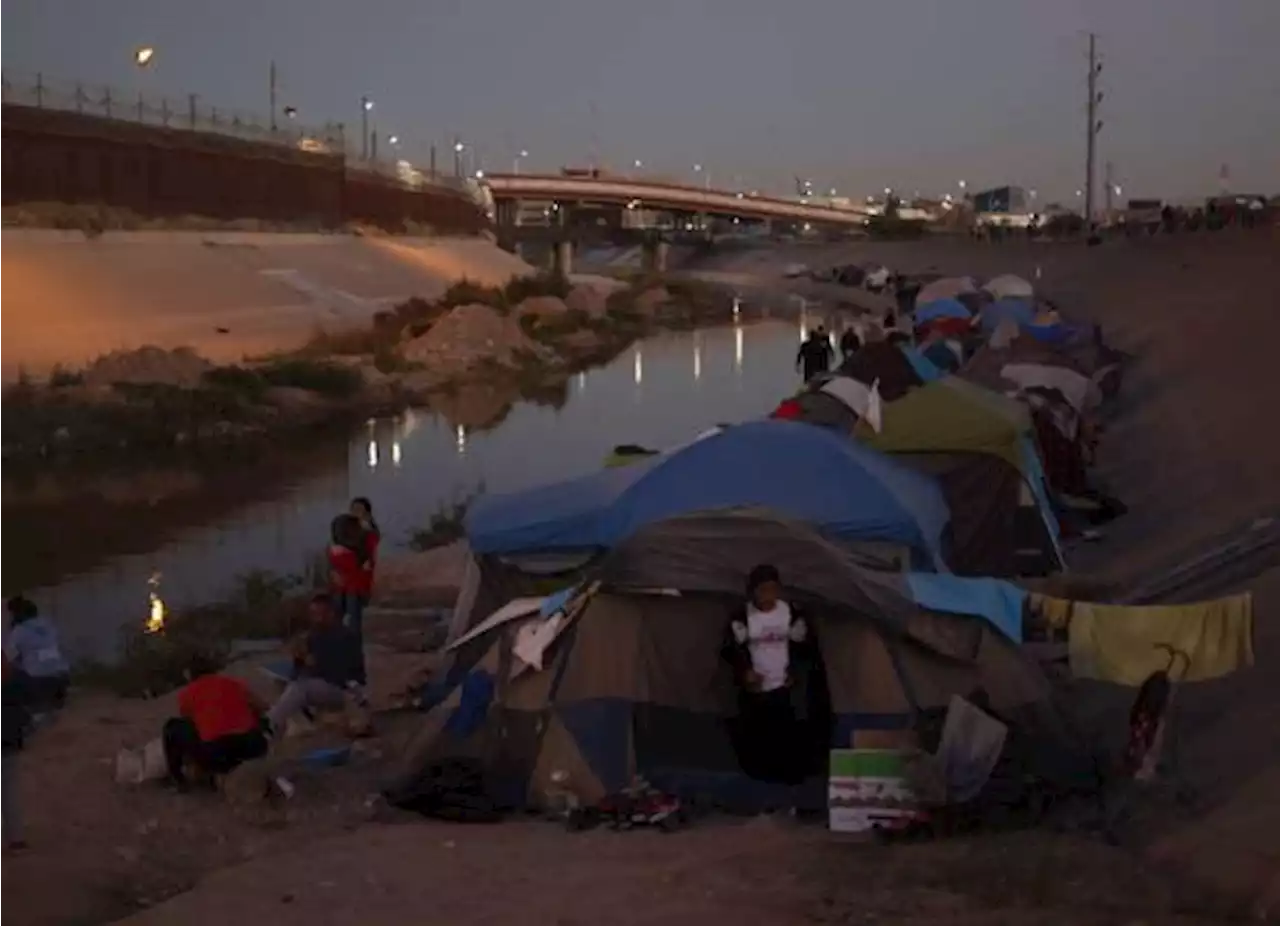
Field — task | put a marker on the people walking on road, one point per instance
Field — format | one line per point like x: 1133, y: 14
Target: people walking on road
x: 815, y: 354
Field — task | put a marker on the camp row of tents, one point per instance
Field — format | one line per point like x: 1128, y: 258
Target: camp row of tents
x: 901, y: 499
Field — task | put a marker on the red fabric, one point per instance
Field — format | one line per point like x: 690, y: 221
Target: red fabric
x: 349, y: 576
x: 788, y: 410
x: 218, y: 706
x: 946, y: 327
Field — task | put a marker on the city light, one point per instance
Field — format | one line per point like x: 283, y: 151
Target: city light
x: 459, y: 147
x: 372, y: 454
x: 460, y: 439
x: 393, y: 139
x: 638, y: 366
x: 367, y: 104
x: 737, y: 347
x: 396, y: 453
x: 479, y: 175
x: 697, y: 356
x: 144, y: 55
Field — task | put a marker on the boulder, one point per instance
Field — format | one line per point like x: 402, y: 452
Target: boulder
x: 179, y: 367
x: 469, y: 334
x: 542, y: 308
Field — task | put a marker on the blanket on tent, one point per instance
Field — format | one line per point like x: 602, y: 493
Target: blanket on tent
x: 1122, y: 644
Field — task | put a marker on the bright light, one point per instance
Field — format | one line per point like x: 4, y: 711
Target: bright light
x: 741, y: 195
x: 373, y: 454
x: 963, y: 184
x: 144, y: 55
x: 638, y: 366
x: 833, y: 191
x: 1033, y: 193
x: 697, y: 356
x: 1079, y: 192
x: 459, y: 147
x: 697, y: 168
x: 396, y: 453
x: 156, y: 611
x: 479, y: 175
x: 737, y: 306
x: 639, y: 164
x: 367, y: 104
x: 888, y: 191
x: 1119, y: 189
x: 737, y: 347
x: 582, y: 382
x: 736, y: 220
x: 393, y: 140
x: 808, y: 227
x: 460, y: 439
x: 524, y: 153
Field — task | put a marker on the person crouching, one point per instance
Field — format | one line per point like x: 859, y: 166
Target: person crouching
x: 327, y: 662
x: 218, y: 728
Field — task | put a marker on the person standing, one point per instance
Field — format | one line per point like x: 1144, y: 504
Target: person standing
x: 815, y: 354
x: 770, y: 649
x: 850, y: 343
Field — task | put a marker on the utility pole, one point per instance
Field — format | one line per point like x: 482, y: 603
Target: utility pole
x: 272, y: 81
x: 1095, y: 125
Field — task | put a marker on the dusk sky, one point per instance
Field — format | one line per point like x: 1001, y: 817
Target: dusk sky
x: 914, y: 94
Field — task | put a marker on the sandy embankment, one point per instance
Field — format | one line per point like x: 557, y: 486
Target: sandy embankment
x: 226, y: 294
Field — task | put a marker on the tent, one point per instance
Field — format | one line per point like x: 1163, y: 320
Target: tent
x: 1008, y: 286
x: 939, y: 309
x: 945, y: 288
x: 981, y: 447
x: 1020, y: 311
x: 632, y: 682
x: 847, y: 491
x: 886, y: 364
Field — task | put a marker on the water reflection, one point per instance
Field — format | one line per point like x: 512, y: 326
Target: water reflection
x: 279, y: 520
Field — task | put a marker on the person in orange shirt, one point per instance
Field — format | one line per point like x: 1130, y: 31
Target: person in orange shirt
x: 219, y: 727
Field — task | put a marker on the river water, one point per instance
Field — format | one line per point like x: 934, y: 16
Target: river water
x: 657, y: 393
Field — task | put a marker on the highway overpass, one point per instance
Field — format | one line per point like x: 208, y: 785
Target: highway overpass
x: 649, y: 195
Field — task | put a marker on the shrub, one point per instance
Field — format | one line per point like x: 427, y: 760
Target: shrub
x: 60, y: 378
x: 520, y: 288
x: 240, y: 380
x: 445, y: 525
x: 327, y: 379
x: 466, y: 292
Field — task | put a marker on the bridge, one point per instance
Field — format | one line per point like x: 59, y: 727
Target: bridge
x: 665, y: 197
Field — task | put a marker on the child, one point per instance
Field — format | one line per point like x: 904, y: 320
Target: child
x: 16, y: 720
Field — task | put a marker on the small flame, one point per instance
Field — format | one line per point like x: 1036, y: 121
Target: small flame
x: 156, y: 611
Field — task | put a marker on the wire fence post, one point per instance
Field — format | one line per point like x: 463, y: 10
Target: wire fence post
x: 164, y: 111
x: 106, y: 101
x: 80, y: 98
x: 140, y: 107
x: 39, y: 90
x: 191, y: 109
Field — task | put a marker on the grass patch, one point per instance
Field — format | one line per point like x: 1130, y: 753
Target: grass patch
x: 327, y: 379
x: 263, y: 605
x: 446, y: 523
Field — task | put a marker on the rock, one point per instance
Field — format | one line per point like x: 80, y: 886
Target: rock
x: 469, y: 334
x: 179, y: 367
x: 541, y: 308
x: 651, y: 300
x: 592, y: 300
x: 291, y: 398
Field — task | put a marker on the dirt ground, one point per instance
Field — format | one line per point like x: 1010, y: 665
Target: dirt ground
x: 1190, y: 450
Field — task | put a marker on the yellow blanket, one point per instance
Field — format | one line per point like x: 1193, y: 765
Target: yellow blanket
x: 1114, y: 643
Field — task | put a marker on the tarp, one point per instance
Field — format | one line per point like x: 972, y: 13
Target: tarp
x: 1020, y: 311
x: 926, y: 369
x: 814, y: 475
x: 945, y: 288
x: 940, y: 308
x: 997, y: 602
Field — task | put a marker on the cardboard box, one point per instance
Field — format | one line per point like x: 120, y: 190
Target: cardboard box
x: 867, y: 790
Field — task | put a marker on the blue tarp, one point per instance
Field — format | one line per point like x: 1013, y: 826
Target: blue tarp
x: 1020, y: 311
x: 811, y: 474
x: 941, y: 308
x: 926, y: 369
x: 998, y: 602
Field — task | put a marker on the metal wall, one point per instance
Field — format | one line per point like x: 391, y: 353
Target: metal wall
x: 57, y: 156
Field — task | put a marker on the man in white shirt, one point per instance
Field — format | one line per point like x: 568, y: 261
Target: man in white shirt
x: 768, y: 646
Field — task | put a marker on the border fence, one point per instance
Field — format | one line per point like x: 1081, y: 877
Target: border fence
x: 160, y: 156
x: 189, y: 112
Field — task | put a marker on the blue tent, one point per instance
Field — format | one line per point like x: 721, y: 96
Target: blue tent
x: 811, y: 474
x: 941, y: 308
x: 926, y: 369
x: 1019, y: 311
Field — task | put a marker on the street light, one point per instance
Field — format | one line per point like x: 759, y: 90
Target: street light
x: 144, y: 55
x: 963, y: 184
x: 393, y: 140
x: 458, y: 148
x: 515, y: 164
x: 366, y: 106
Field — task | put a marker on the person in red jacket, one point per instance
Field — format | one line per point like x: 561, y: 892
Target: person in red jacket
x: 362, y: 509
x: 350, y: 569
x: 218, y: 727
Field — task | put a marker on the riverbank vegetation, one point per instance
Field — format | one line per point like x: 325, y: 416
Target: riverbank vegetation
x: 524, y: 339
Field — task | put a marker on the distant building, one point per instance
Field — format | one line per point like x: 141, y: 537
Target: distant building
x: 1007, y: 200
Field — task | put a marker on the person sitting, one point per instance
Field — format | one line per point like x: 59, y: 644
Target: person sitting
x: 16, y: 721
x: 218, y: 727
x: 35, y: 656
x: 770, y: 648
x: 327, y: 662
